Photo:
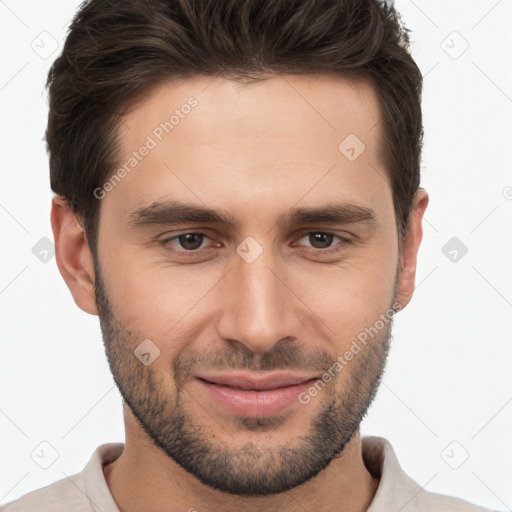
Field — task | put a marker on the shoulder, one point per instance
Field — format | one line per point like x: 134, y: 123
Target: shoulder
x: 60, y: 496
x: 430, y: 501
x: 397, y: 490
x: 80, y: 492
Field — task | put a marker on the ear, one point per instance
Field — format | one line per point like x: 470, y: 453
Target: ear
x: 412, y: 240
x: 73, y: 256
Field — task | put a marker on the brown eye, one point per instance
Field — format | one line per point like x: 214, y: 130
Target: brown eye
x: 323, y: 241
x: 320, y: 240
x: 186, y: 242
x: 191, y: 241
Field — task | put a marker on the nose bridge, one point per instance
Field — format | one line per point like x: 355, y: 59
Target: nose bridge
x: 259, y: 309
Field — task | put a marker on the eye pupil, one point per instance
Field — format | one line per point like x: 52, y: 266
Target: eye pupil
x: 190, y: 240
x: 325, y: 239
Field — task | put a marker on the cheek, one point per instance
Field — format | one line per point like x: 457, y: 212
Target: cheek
x: 349, y: 297
x: 356, y: 287
x: 160, y: 301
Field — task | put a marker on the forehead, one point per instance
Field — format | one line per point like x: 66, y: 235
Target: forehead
x: 297, y: 108
x: 225, y: 143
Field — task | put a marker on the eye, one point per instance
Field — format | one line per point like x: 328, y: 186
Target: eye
x: 192, y: 242
x: 187, y: 242
x: 322, y: 241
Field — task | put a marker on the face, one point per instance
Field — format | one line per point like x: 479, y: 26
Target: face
x: 295, y: 259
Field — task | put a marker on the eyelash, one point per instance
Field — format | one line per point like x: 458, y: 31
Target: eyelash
x: 343, y: 242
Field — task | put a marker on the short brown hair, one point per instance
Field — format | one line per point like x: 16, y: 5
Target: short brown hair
x: 117, y: 50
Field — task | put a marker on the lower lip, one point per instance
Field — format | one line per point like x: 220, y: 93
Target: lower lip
x: 255, y: 404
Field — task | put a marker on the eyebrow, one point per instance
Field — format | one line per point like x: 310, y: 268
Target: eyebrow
x: 178, y: 212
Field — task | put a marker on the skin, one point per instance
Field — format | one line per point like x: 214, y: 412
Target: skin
x: 256, y: 151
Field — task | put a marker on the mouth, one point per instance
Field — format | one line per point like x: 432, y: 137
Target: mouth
x: 255, y: 397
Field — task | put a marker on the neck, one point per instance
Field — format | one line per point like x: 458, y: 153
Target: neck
x: 145, y: 478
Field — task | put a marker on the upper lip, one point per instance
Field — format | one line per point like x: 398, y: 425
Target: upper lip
x: 246, y: 381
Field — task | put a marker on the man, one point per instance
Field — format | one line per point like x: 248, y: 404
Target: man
x: 284, y: 139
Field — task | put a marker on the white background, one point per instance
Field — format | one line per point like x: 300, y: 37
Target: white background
x: 448, y: 378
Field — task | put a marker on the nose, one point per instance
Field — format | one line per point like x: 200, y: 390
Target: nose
x: 258, y: 307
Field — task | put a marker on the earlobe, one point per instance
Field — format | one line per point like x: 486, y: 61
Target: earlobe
x: 73, y: 255
x: 412, y: 240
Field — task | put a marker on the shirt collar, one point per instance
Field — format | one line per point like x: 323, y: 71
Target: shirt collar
x: 394, y: 492
x: 396, y: 489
